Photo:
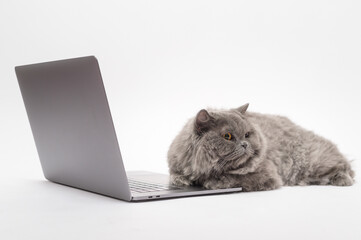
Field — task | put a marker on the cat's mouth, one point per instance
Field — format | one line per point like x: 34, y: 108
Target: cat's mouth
x: 234, y: 155
x: 229, y: 162
x: 235, y: 160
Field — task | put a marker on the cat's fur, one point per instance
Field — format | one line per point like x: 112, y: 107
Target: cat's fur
x: 265, y: 152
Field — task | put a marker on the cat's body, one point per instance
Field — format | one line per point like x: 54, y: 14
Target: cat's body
x: 235, y: 148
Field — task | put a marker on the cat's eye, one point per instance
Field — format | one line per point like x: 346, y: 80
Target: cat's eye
x: 246, y: 135
x: 227, y: 136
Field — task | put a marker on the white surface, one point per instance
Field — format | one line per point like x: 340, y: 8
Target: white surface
x: 41, y: 210
x: 162, y: 61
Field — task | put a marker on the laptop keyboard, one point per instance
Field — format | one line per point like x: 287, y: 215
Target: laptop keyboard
x: 144, y: 187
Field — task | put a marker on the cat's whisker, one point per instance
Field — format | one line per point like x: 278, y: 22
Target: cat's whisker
x: 218, y: 167
x: 250, y: 151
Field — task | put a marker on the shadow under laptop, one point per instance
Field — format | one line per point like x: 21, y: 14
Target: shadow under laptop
x: 60, y: 192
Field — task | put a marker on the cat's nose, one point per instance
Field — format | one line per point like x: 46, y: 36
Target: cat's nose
x: 244, y: 144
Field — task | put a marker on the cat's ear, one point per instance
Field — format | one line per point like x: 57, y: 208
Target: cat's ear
x: 242, y: 109
x: 203, y: 121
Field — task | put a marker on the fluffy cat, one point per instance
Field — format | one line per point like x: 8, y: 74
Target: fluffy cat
x: 236, y: 148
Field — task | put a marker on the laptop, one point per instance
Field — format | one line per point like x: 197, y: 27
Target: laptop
x: 75, y: 137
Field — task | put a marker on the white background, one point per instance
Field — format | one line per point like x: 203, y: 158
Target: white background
x: 163, y: 61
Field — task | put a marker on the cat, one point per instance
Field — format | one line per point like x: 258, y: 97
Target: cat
x: 236, y: 148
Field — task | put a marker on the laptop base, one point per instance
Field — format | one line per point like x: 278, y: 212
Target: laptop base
x: 163, y: 179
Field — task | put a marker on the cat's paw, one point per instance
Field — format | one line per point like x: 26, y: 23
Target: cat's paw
x: 220, y: 183
x: 270, y: 184
x: 342, y: 179
x: 179, y: 180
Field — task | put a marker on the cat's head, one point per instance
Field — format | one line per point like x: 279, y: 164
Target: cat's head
x: 226, y: 141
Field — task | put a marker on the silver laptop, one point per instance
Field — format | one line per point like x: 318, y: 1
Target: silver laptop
x: 74, y: 133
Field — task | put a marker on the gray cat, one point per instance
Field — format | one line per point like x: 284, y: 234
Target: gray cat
x: 235, y: 148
